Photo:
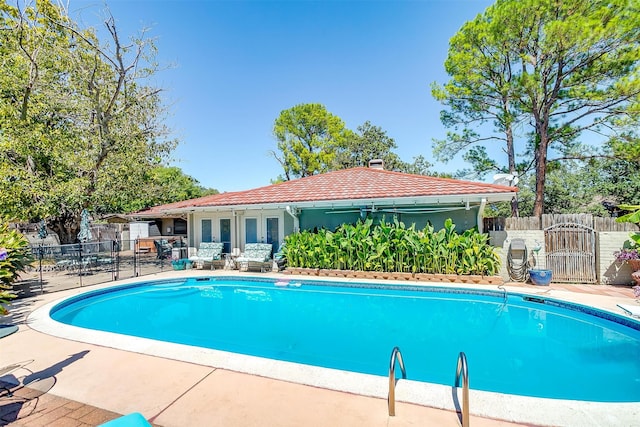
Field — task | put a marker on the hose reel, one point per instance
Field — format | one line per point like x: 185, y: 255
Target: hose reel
x: 518, y: 261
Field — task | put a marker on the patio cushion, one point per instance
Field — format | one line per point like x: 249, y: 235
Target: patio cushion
x: 256, y: 252
x: 208, y: 251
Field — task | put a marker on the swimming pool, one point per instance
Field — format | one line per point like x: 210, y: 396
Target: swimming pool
x: 516, y: 345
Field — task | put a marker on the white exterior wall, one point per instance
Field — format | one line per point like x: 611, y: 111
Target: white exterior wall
x: 502, y: 239
x: 237, y: 225
x: 215, y: 218
x: 138, y: 230
x: 609, y: 271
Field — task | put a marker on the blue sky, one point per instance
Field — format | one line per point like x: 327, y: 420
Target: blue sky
x: 231, y: 67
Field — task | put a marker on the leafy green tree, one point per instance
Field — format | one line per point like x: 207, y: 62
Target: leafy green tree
x: 575, y: 186
x: 625, y: 143
x: 309, y: 138
x: 372, y: 142
x: 312, y: 140
x: 568, y: 67
x: 82, y: 126
x: 481, y: 164
x: 479, y: 93
x: 165, y: 185
x: 570, y: 189
x: 30, y: 108
x: 616, y: 180
x: 421, y: 166
x: 368, y: 143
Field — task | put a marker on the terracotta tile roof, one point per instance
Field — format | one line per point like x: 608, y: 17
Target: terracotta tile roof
x: 346, y: 184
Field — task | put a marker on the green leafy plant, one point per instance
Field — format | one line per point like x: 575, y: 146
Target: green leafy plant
x: 392, y: 247
x: 631, y: 248
x: 15, y: 255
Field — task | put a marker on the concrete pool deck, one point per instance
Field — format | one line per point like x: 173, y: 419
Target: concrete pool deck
x: 171, y: 392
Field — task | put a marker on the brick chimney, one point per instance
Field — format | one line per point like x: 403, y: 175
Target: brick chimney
x: 376, y: 164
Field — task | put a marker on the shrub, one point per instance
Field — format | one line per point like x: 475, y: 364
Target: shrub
x: 392, y: 247
x: 15, y: 255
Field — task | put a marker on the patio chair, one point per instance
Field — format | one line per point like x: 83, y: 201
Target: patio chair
x: 256, y: 255
x: 209, y: 253
x: 280, y: 259
x: 163, y: 249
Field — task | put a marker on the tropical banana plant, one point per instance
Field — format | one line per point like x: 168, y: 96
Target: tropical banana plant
x: 392, y: 247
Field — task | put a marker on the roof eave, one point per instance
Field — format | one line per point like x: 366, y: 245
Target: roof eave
x: 451, y: 199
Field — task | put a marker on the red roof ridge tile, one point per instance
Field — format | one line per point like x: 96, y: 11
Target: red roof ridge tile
x: 455, y: 180
x: 345, y: 184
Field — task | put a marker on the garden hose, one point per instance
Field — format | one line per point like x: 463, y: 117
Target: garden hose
x: 518, y: 269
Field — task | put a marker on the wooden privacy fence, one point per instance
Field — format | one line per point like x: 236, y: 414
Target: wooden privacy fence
x: 548, y: 220
x: 570, y: 250
x: 569, y: 241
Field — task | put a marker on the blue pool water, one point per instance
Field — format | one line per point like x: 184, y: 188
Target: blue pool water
x: 536, y: 347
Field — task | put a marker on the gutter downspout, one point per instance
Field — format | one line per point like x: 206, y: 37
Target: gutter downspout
x: 483, y: 204
x: 296, y: 220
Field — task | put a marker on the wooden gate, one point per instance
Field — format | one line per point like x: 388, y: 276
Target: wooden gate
x: 571, y: 253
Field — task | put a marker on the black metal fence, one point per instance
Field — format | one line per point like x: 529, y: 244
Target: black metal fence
x: 61, y: 267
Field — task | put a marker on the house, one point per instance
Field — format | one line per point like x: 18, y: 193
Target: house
x: 268, y: 214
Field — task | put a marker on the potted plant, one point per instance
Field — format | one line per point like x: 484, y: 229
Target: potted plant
x: 630, y: 251
x: 630, y: 256
x: 539, y: 276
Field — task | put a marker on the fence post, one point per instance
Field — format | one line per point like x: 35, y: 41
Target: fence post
x: 115, y: 260
x: 136, y: 248
x: 40, y: 266
x: 80, y: 262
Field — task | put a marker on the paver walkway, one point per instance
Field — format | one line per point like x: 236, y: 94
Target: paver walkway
x: 30, y: 407
x: 621, y: 291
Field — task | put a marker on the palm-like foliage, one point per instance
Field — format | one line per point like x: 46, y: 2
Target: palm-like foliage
x: 392, y: 247
x: 14, y: 258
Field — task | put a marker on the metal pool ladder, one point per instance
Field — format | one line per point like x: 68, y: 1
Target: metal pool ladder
x: 463, y: 369
x: 395, y: 353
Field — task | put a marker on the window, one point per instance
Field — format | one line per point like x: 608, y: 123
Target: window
x: 206, y: 230
x: 251, y: 230
x: 179, y: 226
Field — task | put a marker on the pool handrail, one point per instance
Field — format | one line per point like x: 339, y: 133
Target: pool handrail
x: 463, y: 369
x: 395, y: 353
